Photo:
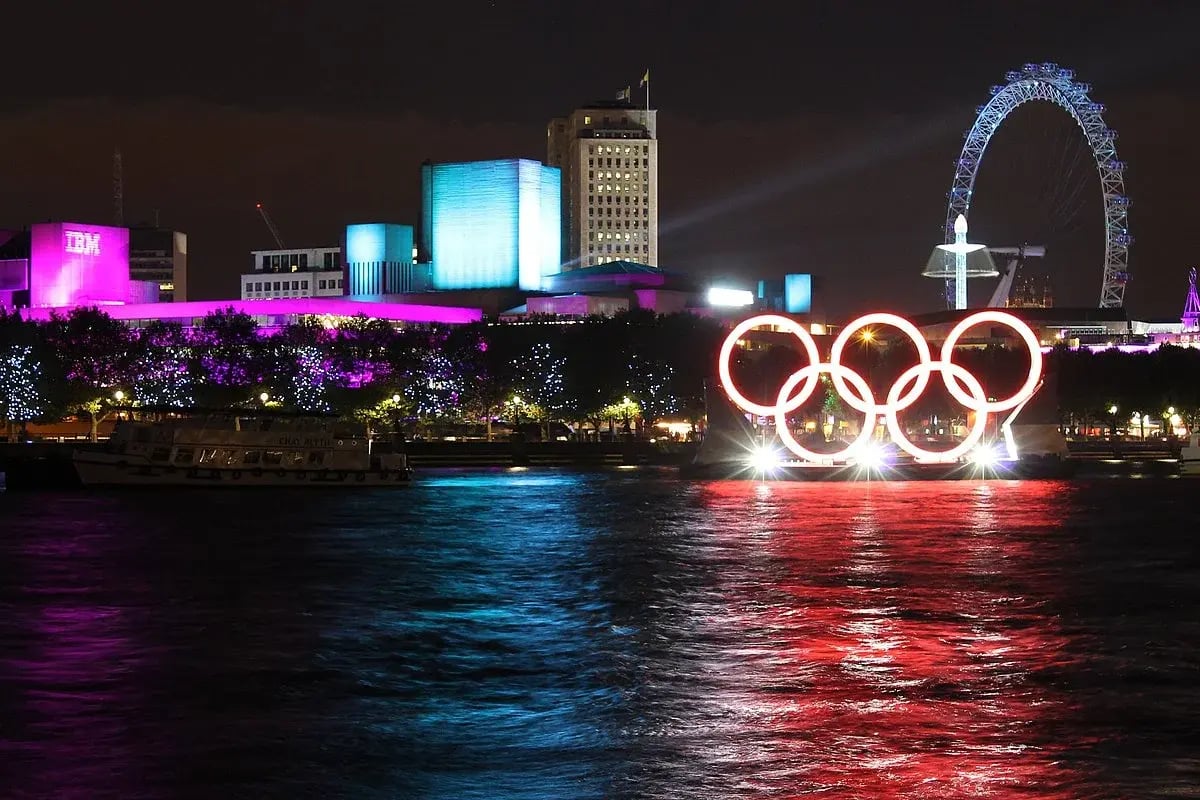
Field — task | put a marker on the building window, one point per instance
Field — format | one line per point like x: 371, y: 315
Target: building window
x: 645, y: 149
x: 266, y: 262
x: 304, y: 259
x: 587, y: 120
x: 320, y: 284
x: 304, y: 285
x: 277, y: 286
x: 275, y: 263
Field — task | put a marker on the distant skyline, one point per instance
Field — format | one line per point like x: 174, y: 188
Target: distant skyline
x: 817, y: 138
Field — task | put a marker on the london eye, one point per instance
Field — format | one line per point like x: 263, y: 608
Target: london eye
x: 1067, y: 161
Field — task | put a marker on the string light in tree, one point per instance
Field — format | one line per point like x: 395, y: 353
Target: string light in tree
x: 310, y: 383
x: 20, y: 374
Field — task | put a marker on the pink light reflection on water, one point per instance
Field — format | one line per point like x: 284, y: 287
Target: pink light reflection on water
x: 902, y: 649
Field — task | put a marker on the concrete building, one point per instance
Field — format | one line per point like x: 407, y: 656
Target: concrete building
x: 608, y: 154
x: 491, y: 224
x: 294, y: 272
x: 160, y: 256
x: 381, y: 260
x: 64, y: 264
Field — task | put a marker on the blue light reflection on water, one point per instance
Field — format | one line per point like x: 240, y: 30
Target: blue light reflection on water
x: 521, y: 634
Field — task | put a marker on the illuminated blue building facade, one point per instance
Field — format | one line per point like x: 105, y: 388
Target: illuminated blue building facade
x: 797, y: 293
x: 379, y: 259
x: 491, y: 224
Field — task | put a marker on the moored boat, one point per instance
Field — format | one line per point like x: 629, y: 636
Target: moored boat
x: 241, y: 449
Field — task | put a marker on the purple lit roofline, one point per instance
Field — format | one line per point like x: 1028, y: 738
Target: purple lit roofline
x: 315, y: 306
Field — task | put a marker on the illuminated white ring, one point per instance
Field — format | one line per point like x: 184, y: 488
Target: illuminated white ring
x: 913, y: 333
x: 811, y: 372
x: 1035, y: 361
x: 791, y: 326
x: 978, y: 400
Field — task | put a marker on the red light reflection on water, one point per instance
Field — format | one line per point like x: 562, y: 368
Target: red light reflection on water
x: 913, y: 621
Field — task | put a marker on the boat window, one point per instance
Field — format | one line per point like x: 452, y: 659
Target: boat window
x: 160, y: 454
x: 273, y: 457
x: 297, y: 458
x: 252, y: 457
x: 207, y: 455
x: 183, y: 455
x: 316, y: 458
x: 231, y: 457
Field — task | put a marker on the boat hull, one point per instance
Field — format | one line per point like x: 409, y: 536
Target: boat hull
x: 99, y: 469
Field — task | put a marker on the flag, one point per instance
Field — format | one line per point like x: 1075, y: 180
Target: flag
x: 624, y: 94
x: 645, y: 78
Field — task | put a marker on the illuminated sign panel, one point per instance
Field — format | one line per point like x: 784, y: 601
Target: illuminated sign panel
x: 853, y: 389
x: 492, y: 224
x: 73, y: 264
x: 721, y: 296
x: 84, y: 243
x: 797, y: 294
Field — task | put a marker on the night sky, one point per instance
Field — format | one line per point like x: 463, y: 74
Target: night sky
x: 794, y: 137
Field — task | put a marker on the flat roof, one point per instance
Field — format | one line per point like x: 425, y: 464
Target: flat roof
x: 279, y: 307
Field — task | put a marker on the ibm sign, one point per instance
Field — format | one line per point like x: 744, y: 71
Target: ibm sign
x: 82, y: 243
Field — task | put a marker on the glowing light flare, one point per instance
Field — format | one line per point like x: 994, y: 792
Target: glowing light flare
x: 764, y: 459
x: 721, y: 296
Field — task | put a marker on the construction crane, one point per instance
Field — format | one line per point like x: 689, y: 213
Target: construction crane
x: 270, y: 226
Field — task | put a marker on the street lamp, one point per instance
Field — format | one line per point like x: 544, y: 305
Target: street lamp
x: 263, y: 398
x: 118, y: 395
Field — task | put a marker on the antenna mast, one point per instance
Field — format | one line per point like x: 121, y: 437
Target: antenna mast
x: 118, y: 184
x: 270, y: 225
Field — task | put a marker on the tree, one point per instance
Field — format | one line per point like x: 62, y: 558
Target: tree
x: 487, y: 371
x: 229, y: 358
x: 93, y: 356
x: 21, y: 397
x: 540, y: 383
x: 161, y: 375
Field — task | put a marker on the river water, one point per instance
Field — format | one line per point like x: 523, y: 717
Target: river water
x: 557, y: 634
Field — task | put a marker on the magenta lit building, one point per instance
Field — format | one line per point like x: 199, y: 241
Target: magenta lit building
x: 73, y: 264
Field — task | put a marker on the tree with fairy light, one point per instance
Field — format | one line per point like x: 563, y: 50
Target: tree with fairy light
x: 434, y: 386
x: 486, y: 369
x: 540, y: 384
x: 649, y: 382
x: 21, y: 397
x: 93, y: 357
x: 161, y: 376
x: 310, y: 380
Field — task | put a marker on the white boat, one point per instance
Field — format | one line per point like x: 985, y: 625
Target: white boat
x: 235, y: 450
x: 1189, y: 456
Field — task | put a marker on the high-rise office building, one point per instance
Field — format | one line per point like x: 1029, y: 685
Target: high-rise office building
x: 160, y: 255
x: 608, y: 154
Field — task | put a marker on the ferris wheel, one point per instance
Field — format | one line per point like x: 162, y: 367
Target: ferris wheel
x: 1054, y: 84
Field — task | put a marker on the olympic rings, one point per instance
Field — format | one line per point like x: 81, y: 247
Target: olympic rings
x: 852, y: 388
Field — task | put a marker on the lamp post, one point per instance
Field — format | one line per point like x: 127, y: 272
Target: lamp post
x: 397, y: 434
